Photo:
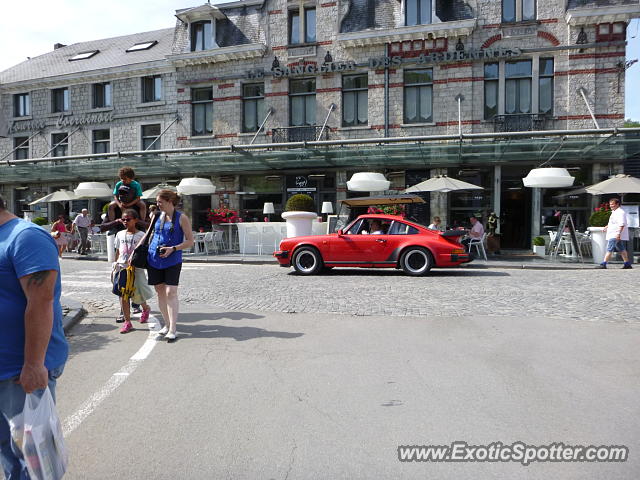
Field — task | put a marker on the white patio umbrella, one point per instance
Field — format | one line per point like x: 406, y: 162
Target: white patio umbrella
x: 442, y: 183
x: 152, y: 193
x: 59, y: 196
x: 618, y: 184
x: 93, y: 190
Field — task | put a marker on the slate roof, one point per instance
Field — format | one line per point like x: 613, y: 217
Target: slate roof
x: 112, y: 54
x: 598, y: 3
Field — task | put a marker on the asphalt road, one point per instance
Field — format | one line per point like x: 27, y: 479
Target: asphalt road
x: 276, y: 376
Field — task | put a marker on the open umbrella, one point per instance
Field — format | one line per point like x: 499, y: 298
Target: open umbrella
x: 618, y: 184
x: 152, y: 193
x: 59, y: 196
x: 442, y: 183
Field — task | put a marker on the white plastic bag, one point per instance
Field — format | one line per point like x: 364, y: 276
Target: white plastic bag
x: 43, y: 444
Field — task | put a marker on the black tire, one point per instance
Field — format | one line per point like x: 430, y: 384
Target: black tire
x: 307, y: 261
x: 416, y: 261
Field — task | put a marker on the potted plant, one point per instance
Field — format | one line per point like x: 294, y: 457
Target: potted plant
x: 222, y: 214
x: 597, y: 221
x: 538, y: 246
x: 299, y: 213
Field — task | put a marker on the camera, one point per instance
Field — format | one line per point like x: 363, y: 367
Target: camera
x: 159, y: 249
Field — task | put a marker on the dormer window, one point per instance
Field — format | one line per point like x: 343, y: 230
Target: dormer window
x: 142, y: 46
x: 201, y: 35
x: 518, y: 10
x: 83, y: 55
x: 418, y: 12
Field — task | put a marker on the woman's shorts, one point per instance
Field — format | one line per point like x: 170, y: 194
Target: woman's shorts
x: 614, y: 245
x: 168, y: 276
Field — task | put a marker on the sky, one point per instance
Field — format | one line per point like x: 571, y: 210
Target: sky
x: 31, y: 29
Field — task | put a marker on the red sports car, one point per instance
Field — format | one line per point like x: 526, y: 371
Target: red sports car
x: 378, y: 241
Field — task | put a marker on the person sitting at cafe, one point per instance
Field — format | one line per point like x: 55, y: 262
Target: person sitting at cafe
x: 476, y: 232
x: 436, y: 225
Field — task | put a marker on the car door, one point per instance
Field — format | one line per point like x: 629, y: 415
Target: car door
x: 356, y: 248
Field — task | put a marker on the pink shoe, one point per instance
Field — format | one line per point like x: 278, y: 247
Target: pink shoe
x: 144, y: 318
x: 126, y: 328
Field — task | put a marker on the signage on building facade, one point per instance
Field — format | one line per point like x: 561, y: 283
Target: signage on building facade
x: 520, y: 31
x: 30, y: 125
x: 382, y: 62
x: 61, y: 121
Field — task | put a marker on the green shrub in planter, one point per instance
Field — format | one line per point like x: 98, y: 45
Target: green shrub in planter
x: 599, y: 218
x: 40, y: 221
x: 538, y: 241
x: 300, y: 203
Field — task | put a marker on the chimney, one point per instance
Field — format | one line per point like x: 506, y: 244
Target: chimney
x: 58, y: 45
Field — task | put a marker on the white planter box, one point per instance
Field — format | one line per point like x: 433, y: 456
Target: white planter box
x: 538, y: 250
x: 299, y: 224
x: 598, y: 244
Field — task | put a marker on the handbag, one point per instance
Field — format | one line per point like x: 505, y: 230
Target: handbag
x: 141, y: 252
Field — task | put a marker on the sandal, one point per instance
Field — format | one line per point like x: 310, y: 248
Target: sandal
x: 126, y: 328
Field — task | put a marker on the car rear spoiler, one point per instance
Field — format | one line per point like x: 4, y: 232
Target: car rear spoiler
x: 454, y: 233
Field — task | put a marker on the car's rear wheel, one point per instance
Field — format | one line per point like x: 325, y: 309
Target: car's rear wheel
x: 416, y: 261
x: 307, y: 261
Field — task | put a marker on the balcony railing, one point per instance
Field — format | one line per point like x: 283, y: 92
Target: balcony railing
x: 520, y: 122
x: 298, y: 134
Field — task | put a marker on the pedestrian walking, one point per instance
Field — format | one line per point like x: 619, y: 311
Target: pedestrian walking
x: 59, y: 233
x: 82, y: 223
x: 125, y: 243
x: 617, y: 234
x: 33, y: 349
x: 171, y: 234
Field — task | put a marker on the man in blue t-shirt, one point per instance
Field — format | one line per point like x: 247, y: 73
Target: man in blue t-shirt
x: 33, y: 349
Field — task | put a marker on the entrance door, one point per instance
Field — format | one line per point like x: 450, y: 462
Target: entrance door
x: 515, y: 206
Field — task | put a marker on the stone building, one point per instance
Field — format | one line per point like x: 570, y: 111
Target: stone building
x: 271, y: 97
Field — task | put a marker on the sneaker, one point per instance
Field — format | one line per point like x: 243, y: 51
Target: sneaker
x: 126, y: 328
x: 144, y: 318
x: 626, y: 266
x: 136, y: 309
x: 602, y: 266
x: 170, y: 337
x: 120, y: 318
x: 163, y: 331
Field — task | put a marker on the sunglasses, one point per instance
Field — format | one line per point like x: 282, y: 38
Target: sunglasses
x: 127, y: 219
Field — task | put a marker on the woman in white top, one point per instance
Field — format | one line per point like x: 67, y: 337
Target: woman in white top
x: 125, y: 243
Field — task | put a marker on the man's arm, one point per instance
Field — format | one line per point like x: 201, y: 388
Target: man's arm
x: 38, y: 287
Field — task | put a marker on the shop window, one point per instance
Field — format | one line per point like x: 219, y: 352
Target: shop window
x: 355, y: 101
x: 101, y: 141
x: 60, y: 100
x: 418, y: 12
x: 201, y: 36
x: 610, y: 32
x: 517, y: 88
x: 299, y: 33
x: 201, y: 111
x: 418, y: 96
x: 21, y: 105
x: 302, y: 102
x: 151, y: 89
x: 101, y: 95
x: 60, y: 144
x: 252, y: 106
x: 151, y: 137
x: 545, y: 86
x: 491, y: 90
x: 21, y: 146
x: 518, y: 10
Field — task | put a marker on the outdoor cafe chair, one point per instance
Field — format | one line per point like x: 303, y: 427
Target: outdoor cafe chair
x: 478, y: 243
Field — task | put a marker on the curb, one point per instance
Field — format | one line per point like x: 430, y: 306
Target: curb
x: 74, y: 314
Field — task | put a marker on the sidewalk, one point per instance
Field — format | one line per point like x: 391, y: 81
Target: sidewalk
x: 509, y: 259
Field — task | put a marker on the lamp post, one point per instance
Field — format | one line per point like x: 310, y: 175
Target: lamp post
x: 268, y: 209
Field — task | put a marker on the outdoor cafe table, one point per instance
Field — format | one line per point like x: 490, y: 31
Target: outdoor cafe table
x: 236, y: 236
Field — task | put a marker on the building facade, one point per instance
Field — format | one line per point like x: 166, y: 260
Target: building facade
x: 281, y: 77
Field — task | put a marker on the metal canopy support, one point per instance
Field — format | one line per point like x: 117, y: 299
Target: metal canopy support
x: 586, y: 102
x: 261, y: 125
x: 331, y: 108
x: 61, y: 141
x: 163, y: 132
x: 21, y: 145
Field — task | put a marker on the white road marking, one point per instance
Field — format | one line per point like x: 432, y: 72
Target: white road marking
x: 87, y: 408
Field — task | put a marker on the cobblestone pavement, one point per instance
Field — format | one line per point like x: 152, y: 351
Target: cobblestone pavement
x: 585, y: 295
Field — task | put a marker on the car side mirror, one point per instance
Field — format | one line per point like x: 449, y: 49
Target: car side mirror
x: 340, y: 233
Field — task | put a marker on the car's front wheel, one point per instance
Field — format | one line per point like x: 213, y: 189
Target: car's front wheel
x: 307, y: 261
x: 416, y: 261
